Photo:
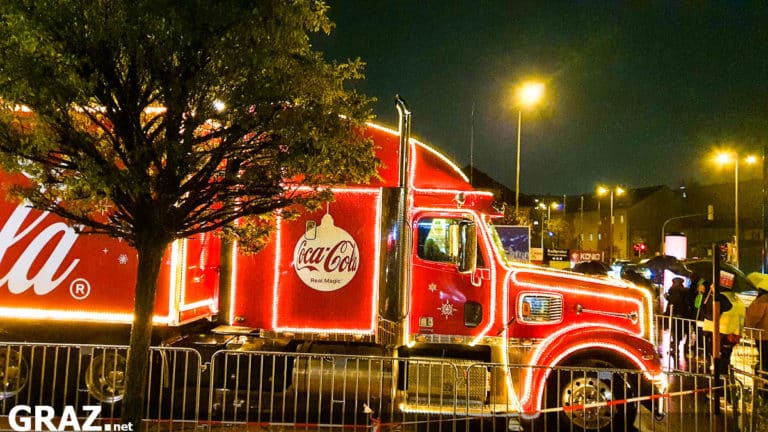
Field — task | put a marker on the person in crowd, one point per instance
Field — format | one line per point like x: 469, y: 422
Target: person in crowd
x: 679, y: 306
x: 698, y: 315
x: 732, y: 318
x: 757, y: 318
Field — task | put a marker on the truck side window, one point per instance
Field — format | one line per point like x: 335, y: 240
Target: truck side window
x: 433, y: 239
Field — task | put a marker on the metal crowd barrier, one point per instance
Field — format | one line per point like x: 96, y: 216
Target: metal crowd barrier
x: 62, y: 375
x: 241, y: 390
x: 692, y: 351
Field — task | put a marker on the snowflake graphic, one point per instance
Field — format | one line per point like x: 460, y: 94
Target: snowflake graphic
x: 432, y: 287
x: 447, y: 309
x: 122, y: 259
x: 105, y: 251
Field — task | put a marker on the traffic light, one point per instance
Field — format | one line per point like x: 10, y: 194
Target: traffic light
x: 722, y: 251
x: 710, y: 212
x: 640, y: 249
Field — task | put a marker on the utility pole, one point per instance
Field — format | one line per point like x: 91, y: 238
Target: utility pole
x: 710, y: 214
x: 763, y: 263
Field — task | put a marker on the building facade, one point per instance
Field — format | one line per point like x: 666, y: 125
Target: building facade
x: 583, y: 222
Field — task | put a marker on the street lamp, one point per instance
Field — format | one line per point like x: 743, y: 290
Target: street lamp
x: 618, y: 191
x: 541, y: 207
x: 528, y: 95
x: 724, y: 158
x: 548, y: 207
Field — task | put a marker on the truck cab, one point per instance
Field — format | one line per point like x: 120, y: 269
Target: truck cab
x: 419, y: 271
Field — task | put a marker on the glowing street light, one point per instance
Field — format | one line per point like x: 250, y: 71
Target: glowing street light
x: 725, y: 158
x: 548, y: 207
x: 528, y: 95
x: 618, y: 191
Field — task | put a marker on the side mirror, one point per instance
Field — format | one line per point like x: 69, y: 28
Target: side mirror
x: 467, y: 238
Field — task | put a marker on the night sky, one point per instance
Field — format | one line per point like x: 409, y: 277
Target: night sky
x: 638, y: 93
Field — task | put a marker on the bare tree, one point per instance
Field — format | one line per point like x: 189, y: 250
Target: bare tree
x: 176, y: 118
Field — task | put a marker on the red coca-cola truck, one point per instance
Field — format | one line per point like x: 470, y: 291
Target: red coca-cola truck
x: 408, y: 266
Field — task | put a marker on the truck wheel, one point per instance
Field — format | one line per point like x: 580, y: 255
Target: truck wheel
x: 105, y: 377
x: 14, y: 373
x: 575, y: 389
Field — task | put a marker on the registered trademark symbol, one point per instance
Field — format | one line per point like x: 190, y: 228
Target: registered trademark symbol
x: 80, y: 289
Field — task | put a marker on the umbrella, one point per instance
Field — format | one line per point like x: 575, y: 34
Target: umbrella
x: 659, y: 263
x: 760, y: 280
x: 591, y: 267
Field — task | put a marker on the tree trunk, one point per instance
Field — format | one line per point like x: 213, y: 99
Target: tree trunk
x: 150, y: 259
x: 225, y: 282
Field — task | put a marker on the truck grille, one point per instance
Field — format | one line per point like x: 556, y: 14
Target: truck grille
x: 541, y: 308
x: 442, y: 383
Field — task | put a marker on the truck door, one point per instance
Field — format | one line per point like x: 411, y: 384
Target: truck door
x: 445, y: 300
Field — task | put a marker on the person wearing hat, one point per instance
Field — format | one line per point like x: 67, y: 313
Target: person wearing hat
x: 680, y: 306
x: 757, y: 318
x: 732, y: 319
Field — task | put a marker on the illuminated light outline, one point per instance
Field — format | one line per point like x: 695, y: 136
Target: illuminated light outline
x: 69, y: 315
x: 519, y: 303
x: 409, y: 341
x: 177, y: 285
x: 660, y: 376
x: 452, y: 192
x: 412, y: 165
x: 198, y: 304
x: 642, y: 308
x: 451, y: 212
x: 413, y: 142
x: 486, y: 235
x: 375, y: 283
x: 408, y: 409
x: 232, y: 282
x: 475, y: 215
x: 593, y: 293
x: 376, y: 266
x: 619, y: 284
x: 505, y: 336
x: 496, y: 259
x: 276, y: 268
x: 176, y: 279
x: 545, y: 342
x: 182, y: 305
x: 174, y: 306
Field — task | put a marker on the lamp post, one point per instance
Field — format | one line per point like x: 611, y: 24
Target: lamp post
x: 542, y: 206
x: 528, y: 95
x: 726, y: 158
x: 616, y: 190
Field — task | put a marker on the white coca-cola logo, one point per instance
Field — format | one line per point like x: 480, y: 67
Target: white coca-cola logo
x: 326, y: 257
x: 19, y: 278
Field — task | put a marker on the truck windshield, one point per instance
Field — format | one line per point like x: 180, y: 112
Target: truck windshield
x: 497, y: 242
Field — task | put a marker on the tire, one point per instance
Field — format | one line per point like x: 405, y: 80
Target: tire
x: 14, y: 373
x: 105, y: 377
x: 573, y: 388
